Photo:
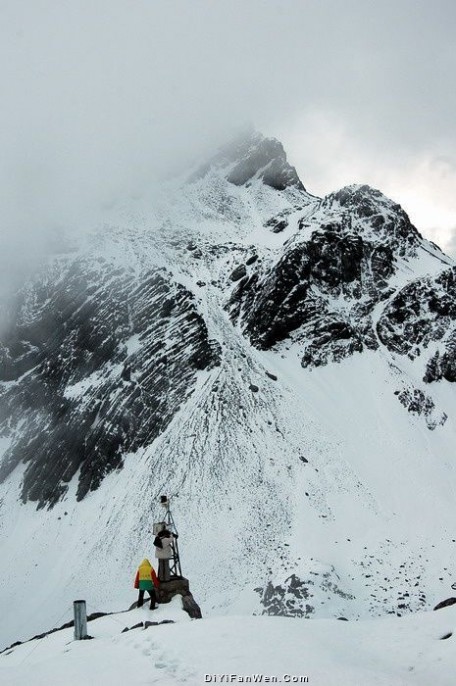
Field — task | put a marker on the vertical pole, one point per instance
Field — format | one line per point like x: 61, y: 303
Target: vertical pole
x: 80, y: 619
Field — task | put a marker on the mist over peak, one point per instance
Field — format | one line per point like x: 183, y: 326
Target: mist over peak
x: 251, y: 155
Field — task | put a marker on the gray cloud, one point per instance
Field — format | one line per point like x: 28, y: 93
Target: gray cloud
x: 99, y: 98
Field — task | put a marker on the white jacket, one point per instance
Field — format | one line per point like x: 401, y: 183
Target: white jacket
x: 165, y: 553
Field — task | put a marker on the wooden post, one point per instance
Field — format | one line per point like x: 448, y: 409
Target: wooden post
x: 80, y: 619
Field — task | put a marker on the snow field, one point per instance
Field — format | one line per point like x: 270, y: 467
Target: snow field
x: 382, y: 652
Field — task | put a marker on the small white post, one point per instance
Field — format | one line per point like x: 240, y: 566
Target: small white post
x: 80, y: 619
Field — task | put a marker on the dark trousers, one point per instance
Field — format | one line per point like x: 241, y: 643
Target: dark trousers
x: 163, y: 570
x: 153, y: 598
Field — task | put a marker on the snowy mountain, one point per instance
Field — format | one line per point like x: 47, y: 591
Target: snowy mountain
x: 281, y: 364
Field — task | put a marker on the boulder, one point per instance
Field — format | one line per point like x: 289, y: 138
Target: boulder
x: 445, y: 603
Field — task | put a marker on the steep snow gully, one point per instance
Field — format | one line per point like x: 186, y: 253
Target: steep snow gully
x: 281, y: 364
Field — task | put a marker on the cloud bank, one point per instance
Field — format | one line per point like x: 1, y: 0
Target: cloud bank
x: 100, y: 98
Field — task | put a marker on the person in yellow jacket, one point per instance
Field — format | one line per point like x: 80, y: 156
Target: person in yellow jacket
x: 146, y: 580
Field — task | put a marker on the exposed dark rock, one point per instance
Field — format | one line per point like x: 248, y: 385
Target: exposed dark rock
x: 250, y: 260
x: 417, y: 402
x: 289, y: 600
x: 328, y: 583
x: 296, y: 597
x: 277, y: 224
x: 423, y: 312
x: 343, y: 340
x: 350, y: 258
x: 238, y: 273
x: 443, y: 365
x: 190, y: 606
x: 168, y: 589
x: 388, y: 219
x: 445, y: 603
x: 252, y: 156
x: 86, y: 400
x: 338, y: 260
x: 146, y: 625
x: 139, y: 625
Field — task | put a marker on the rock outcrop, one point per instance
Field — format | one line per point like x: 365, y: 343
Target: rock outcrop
x: 96, y: 365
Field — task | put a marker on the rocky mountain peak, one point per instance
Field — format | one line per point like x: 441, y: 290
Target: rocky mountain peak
x: 323, y: 292
x: 366, y: 210
x: 253, y: 156
x: 360, y: 195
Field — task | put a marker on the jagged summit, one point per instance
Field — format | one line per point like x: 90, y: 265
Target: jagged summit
x: 253, y: 156
x: 365, y: 209
x: 356, y: 194
x: 348, y: 256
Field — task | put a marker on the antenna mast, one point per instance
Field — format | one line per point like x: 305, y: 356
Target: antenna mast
x: 168, y: 519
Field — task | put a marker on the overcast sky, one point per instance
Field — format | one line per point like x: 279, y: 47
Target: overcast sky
x: 100, y: 96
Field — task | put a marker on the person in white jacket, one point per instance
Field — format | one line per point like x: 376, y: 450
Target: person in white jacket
x: 164, y: 552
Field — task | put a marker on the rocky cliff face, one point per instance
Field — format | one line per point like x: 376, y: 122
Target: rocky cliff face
x: 251, y: 158
x: 422, y: 317
x: 97, y: 363
x: 100, y: 355
x: 333, y: 274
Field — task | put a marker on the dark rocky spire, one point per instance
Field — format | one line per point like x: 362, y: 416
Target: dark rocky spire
x: 252, y: 156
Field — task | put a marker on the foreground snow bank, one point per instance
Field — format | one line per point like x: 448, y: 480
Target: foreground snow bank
x: 389, y: 651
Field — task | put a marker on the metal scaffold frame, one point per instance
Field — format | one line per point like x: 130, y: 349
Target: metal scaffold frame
x: 175, y: 570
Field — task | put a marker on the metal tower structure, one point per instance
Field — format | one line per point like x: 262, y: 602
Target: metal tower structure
x: 175, y: 570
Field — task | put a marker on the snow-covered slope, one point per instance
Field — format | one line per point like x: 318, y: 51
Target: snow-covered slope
x: 280, y: 363
x: 382, y: 652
